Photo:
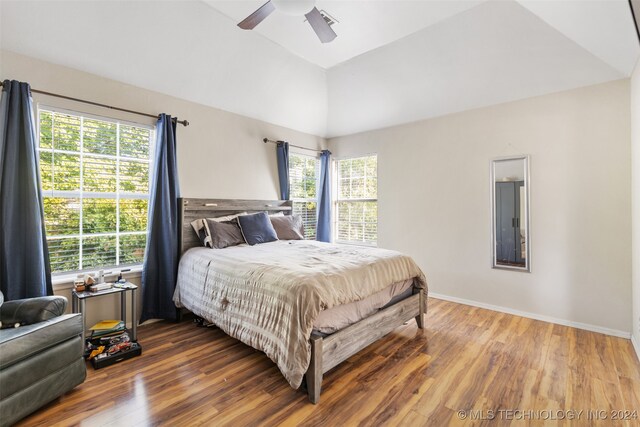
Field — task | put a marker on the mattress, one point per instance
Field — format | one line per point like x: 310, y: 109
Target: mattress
x: 341, y: 316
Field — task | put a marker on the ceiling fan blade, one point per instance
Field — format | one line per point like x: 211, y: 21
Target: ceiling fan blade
x: 257, y: 17
x: 320, y: 26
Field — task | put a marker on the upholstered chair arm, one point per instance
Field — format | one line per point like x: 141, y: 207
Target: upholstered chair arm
x: 32, y: 310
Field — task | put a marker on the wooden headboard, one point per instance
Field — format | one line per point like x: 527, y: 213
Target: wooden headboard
x: 192, y: 209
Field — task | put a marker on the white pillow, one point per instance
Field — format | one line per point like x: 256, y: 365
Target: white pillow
x: 227, y: 217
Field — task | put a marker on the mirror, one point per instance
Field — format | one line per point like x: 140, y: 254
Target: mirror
x: 510, y: 240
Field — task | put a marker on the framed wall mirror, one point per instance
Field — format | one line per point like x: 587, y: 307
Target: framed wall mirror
x: 510, y: 233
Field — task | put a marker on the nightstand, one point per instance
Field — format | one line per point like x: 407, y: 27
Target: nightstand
x: 78, y: 305
x: 79, y: 298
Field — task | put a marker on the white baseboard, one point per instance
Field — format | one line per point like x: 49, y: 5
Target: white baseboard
x: 635, y: 346
x: 578, y: 325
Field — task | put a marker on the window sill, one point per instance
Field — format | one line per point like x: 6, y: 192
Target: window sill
x: 65, y: 281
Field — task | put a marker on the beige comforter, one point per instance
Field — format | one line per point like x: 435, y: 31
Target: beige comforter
x: 269, y: 295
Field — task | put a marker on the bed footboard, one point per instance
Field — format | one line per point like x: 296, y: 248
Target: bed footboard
x: 328, y: 352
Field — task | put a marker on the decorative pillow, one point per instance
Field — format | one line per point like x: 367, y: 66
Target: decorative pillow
x: 256, y: 228
x: 288, y: 227
x: 201, y: 227
x: 224, y: 234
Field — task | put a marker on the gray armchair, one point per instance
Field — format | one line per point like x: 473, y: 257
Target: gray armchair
x: 41, y: 359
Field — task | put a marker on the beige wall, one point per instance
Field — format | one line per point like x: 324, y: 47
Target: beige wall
x: 635, y: 196
x: 220, y: 155
x: 433, y: 187
x: 434, y: 202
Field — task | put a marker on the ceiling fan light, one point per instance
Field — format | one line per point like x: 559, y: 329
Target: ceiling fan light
x: 294, y: 7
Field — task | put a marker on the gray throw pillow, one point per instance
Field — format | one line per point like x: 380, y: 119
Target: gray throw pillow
x: 288, y: 227
x: 224, y: 234
x: 201, y: 228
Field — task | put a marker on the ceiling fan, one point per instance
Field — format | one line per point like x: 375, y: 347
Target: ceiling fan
x: 296, y: 8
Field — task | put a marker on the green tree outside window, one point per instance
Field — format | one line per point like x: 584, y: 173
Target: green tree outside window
x: 95, y: 182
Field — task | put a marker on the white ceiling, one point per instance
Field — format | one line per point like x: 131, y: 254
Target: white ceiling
x: 604, y: 28
x: 495, y: 52
x: 180, y: 48
x: 363, y: 25
x: 393, y: 61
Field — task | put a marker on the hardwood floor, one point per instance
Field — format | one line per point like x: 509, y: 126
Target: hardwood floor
x: 466, y: 359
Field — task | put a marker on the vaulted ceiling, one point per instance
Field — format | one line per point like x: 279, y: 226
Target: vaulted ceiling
x: 362, y: 25
x: 393, y: 62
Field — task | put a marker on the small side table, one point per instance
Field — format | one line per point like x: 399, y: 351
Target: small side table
x: 79, y: 299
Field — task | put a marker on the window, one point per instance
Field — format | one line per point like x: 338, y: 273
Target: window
x: 357, y: 200
x: 303, y: 172
x: 95, y: 184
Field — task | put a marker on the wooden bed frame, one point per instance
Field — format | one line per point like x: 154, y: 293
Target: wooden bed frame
x: 326, y: 352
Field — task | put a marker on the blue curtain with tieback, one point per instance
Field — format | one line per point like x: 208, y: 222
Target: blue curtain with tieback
x: 323, y: 231
x: 282, y: 151
x: 160, y: 268
x: 24, y: 255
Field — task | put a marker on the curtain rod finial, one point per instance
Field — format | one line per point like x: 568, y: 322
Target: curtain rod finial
x: 265, y: 140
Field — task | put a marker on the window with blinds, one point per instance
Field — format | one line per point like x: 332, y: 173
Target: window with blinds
x: 356, y: 207
x: 303, y: 176
x: 95, y: 182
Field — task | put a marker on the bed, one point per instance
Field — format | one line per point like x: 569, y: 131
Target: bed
x: 307, y: 305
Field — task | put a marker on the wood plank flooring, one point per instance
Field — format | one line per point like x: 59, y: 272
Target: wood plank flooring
x: 466, y: 359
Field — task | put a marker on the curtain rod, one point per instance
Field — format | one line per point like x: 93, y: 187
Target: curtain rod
x: 182, y: 122
x: 265, y: 140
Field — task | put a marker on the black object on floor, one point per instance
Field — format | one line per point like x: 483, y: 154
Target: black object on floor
x: 102, y: 362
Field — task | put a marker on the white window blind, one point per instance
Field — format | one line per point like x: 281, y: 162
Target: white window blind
x: 303, y: 176
x: 95, y: 182
x: 357, y: 200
